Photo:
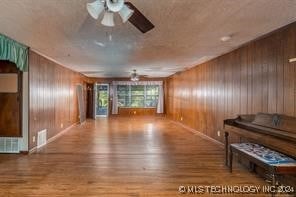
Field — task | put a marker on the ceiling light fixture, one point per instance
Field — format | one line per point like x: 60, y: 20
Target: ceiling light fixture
x: 110, y: 7
x: 225, y: 38
x: 134, y: 76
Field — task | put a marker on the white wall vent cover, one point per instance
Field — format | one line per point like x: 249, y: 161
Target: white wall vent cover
x: 9, y: 145
x: 41, y: 138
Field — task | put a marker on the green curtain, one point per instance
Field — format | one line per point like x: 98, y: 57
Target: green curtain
x: 14, y: 52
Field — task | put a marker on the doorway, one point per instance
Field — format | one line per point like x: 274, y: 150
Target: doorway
x: 11, y: 100
x: 102, y: 100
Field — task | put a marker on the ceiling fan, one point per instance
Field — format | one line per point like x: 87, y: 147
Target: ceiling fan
x: 126, y: 10
x: 136, y: 77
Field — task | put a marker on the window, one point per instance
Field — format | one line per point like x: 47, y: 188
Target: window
x: 123, y: 95
x: 137, y: 95
x: 151, y: 96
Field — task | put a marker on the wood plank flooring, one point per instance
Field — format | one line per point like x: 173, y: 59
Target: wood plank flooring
x: 120, y: 156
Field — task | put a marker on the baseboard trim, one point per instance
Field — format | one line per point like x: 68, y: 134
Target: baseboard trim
x: 63, y: 132
x: 198, y: 133
x: 33, y: 150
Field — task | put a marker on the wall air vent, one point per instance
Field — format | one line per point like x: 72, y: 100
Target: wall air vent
x: 41, y: 138
x: 9, y: 145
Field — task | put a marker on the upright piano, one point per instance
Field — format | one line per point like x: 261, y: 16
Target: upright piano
x: 275, y: 131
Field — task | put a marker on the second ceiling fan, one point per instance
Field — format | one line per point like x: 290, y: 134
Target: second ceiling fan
x: 126, y: 10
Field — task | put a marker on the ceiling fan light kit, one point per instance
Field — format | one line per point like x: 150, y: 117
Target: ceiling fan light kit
x: 108, y: 19
x: 125, y: 13
x: 95, y: 8
x: 126, y: 10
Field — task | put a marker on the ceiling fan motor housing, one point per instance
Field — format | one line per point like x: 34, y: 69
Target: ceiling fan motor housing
x: 134, y: 76
x: 115, y: 5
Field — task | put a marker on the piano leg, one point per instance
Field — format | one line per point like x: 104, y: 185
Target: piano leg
x: 274, y: 183
x: 230, y: 160
x: 252, y: 166
x: 226, y: 134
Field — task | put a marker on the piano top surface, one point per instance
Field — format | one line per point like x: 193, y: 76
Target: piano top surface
x: 271, y: 135
x: 266, y: 130
x: 269, y: 124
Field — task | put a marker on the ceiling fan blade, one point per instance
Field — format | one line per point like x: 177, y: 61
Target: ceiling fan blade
x: 139, y: 20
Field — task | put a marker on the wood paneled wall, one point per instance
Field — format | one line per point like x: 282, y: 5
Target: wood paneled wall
x: 90, y: 100
x: 123, y: 111
x: 53, y: 99
x: 254, y: 78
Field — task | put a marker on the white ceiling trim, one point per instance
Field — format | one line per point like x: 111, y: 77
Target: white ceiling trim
x: 47, y: 57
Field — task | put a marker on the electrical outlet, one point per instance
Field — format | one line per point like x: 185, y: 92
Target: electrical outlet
x: 34, y: 138
x: 181, y: 118
x: 219, y: 133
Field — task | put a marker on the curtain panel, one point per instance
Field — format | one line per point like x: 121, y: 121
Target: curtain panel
x: 159, y: 109
x: 15, y: 52
x: 114, y: 100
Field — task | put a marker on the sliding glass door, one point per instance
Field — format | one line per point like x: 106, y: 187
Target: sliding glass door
x: 102, y: 100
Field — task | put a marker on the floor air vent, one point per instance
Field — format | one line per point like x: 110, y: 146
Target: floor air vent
x: 9, y: 145
x: 41, y: 138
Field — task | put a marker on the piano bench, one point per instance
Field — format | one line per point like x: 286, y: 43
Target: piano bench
x: 274, y: 162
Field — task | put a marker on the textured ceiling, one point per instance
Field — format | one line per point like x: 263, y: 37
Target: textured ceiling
x: 187, y: 32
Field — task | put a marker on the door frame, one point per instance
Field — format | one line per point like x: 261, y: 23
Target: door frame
x: 95, y: 99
